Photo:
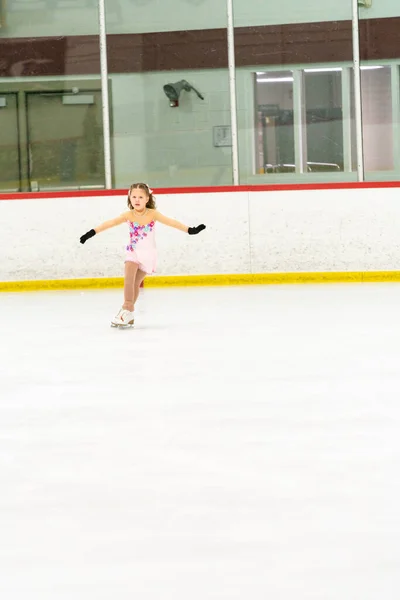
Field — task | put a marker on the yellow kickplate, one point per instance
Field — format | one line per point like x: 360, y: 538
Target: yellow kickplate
x: 204, y: 280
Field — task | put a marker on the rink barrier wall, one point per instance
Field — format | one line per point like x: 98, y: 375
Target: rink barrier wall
x: 206, y: 280
x: 292, y: 233
x: 273, y: 187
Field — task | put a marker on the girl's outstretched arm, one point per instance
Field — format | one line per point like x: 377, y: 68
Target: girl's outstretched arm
x: 113, y: 222
x: 172, y: 223
x: 106, y: 225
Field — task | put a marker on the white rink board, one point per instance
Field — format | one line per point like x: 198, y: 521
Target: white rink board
x: 247, y: 232
x: 328, y: 230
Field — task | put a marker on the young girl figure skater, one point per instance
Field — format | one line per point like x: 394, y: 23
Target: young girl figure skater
x: 141, y: 253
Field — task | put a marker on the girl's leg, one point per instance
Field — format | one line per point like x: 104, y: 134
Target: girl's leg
x: 131, y: 269
x: 140, y: 275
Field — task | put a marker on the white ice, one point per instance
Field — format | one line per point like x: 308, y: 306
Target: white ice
x: 241, y: 443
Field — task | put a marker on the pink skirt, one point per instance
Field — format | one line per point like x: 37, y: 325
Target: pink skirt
x: 146, y: 261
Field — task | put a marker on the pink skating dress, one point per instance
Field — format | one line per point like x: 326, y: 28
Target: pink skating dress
x: 142, y: 246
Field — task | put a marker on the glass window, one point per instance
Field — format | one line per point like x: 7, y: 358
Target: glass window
x: 318, y: 121
x: 9, y: 152
x: 396, y: 117
x: 274, y: 122
x: 170, y: 96
x: 377, y: 113
x: 294, y: 126
x: 170, y: 104
x: 65, y: 139
x: 50, y: 96
x: 324, y: 116
x: 52, y: 134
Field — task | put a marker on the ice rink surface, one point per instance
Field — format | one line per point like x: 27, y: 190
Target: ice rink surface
x: 241, y: 443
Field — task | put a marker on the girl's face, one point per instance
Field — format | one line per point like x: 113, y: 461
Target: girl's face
x: 139, y: 199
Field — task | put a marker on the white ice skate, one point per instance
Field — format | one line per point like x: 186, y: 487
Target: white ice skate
x: 124, y: 318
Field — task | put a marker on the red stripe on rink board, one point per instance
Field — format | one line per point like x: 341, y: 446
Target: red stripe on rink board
x: 207, y: 190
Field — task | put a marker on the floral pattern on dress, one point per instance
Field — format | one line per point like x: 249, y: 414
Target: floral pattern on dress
x: 138, y: 232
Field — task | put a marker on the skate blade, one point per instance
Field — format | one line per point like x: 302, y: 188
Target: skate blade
x: 127, y: 326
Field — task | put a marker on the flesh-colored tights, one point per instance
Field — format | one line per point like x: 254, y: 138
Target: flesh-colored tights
x: 133, y: 280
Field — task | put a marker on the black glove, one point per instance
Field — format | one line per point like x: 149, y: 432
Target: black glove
x: 87, y: 236
x: 195, y: 230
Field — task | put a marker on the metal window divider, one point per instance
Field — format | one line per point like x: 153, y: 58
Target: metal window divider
x: 299, y: 122
x: 105, y: 94
x: 346, y: 120
x: 357, y: 90
x: 232, y: 90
